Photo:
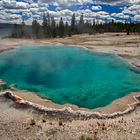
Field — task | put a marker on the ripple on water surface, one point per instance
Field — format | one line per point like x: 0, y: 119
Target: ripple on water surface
x: 69, y: 75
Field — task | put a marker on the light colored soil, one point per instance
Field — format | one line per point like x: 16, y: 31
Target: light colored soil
x: 15, y: 122
x: 127, y: 46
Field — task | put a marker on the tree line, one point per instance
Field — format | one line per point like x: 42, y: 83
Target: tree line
x: 51, y: 29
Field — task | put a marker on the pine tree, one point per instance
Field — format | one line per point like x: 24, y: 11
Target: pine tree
x: 137, y: 26
x: 93, y: 27
x: 21, y: 30
x: 14, y: 31
x: 73, y: 24
x: 47, y: 26
x: 127, y: 27
x: 61, y: 28
x: 66, y: 28
x: 44, y: 24
x: 35, y: 28
x: 81, y: 22
x: 81, y: 25
x: 53, y: 27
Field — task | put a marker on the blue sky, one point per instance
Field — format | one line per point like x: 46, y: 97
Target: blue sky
x: 14, y: 11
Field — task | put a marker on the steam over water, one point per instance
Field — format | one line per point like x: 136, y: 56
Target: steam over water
x: 69, y: 75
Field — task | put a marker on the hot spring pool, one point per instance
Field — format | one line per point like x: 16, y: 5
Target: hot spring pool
x: 69, y: 75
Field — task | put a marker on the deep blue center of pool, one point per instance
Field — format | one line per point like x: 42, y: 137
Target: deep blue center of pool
x: 69, y: 75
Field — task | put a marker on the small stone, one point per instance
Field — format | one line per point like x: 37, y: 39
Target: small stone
x: 119, y: 130
x: 108, y: 128
x: 134, y: 132
x: 27, y: 128
x: 60, y: 123
x: 43, y: 120
x: 125, y: 129
x: 33, y: 122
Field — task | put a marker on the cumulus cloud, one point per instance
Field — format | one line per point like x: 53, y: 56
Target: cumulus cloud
x: 81, y: 2
x: 133, y: 10
x: 137, y: 17
x: 12, y: 4
x: 12, y: 10
x: 118, y: 2
x: 66, y: 2
x: 120, y: 15
x: 96, y: 8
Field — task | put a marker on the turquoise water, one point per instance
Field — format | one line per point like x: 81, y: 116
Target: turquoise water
x: 69, y: 75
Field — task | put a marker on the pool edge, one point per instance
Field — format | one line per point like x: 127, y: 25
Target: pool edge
x: 79, y: 114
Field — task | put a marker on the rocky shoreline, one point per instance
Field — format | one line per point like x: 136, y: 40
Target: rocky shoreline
x: 67, y: 112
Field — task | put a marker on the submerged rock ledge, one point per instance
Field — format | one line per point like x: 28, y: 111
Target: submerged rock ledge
x: 66, y: 112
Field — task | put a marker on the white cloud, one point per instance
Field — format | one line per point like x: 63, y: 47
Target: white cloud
x: 118, y: 2
x: 81, y: 2
x: 137, y: 17
x: 66, y: 2
x: 120, y: 15
x: 10, y: 9
x: 133, y: 10
x: 12, y: 4
x: 96, y: 8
